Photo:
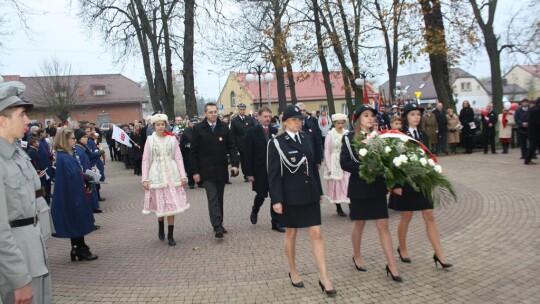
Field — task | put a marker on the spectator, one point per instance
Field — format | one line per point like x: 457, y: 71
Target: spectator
x: 522, y: 122
x: 325, y: 124
x: 430, y: 128
x: 466, y: 118
x: 442, y: 126
x: 454, y: 127
x: 506, y: 122
x: 533, y: 132
x: 489, y: 121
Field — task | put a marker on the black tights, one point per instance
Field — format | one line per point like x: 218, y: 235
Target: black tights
x: 79, y: 242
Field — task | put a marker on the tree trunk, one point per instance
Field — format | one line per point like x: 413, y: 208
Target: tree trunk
x: 280, y: 79
x: 189, y: 40
x: 322, y: 59
x: 437, y: 50
x: 169, y: 97
x: 290, y: 78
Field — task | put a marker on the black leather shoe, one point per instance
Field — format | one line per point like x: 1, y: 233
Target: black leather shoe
x: 341, y: 213
x: 101, y: 199
x: 297, y: 285
x: 96, y: 227
x: 219, y: 234
x: 82, y: 253
x: 223, y: 229
x: 278, y: 228
x: 403, y: 259
x: 330, y: 293
x: 253, y: 218
x: 97, y: 211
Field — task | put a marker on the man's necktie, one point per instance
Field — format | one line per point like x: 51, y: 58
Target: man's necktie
x: 416, y: 135
x: 212, y: 127
x: 266, y: 132
x: 296, y: 138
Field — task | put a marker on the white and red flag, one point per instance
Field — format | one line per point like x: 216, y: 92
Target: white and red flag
x: 120, y: 136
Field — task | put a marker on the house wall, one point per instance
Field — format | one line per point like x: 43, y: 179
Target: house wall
x: 524, y: 79
x: 116, y: 113
x: 477, y: 96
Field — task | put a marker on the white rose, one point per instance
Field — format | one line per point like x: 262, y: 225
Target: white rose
x: 431, y: 162
x: 438, y: 169
x: 423, y: 161
x: 422, y: 151
x: 403, y: 158
x: 387, y: 149
x: 397, y: 161
x: 374, y: 134
x: 362, y: 152
x: 413, y: 157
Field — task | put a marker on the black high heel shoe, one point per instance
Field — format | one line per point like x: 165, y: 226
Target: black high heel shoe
x: 395, y: 278
x: 331, y: 293
x: 82, y: 253
x: 359, y: 268
x: 404, y: 260
x: 436, y: 259
x: 297, y: 285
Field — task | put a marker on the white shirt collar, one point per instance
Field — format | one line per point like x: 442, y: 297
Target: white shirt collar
x: 293, y: 135
x: 411, y: 130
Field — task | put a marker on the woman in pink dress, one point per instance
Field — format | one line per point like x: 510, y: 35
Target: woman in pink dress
x: 337, y: 180
x: 163, y: 177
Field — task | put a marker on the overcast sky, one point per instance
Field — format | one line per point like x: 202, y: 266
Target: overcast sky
x: 59, y: 33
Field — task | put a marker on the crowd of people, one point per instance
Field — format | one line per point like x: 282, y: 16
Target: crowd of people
x: 281, y: 155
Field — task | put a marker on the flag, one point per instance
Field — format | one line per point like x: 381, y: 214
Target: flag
x: 120, y: 136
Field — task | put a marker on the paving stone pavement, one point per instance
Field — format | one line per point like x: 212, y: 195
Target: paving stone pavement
x: 490, y: 235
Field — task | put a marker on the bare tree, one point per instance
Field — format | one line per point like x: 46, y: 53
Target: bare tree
x: 56, y: 87
x: 138, y: 27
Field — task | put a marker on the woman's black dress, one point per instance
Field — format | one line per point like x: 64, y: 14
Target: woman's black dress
x: 368, y: 201
x: 298, y: 190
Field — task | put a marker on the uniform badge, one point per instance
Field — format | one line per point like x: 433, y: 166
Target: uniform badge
x: 310, y: 130
x: 293, y: 159
x: 221, y: 139
x: 247, y: 123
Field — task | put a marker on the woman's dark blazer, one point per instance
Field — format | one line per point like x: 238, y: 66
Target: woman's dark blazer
x: 300, y: 188
x: 358, y: 187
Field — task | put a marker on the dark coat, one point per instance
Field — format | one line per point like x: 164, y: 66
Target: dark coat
x: 82, y: 155
x: 134, y: 152
x: 491, y: 118
x: 297, y: 188
x: 239, y: 129
x: 35, y: 159
x: 466, y: 116
x: 358, y: 188
x: 95, y: 158
x: 45, y: 157
x: 255, y: 153
x: 185, y: 141
x: 311, y: 127
x: 522, y: 116
x: 442, y: 122
x: 209, y: 151
x: 534, y: 124
x: 71, y: 211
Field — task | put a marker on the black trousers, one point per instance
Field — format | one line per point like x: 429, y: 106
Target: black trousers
x: 214, y: 194
x: 442, y: 141
x: 523, y: 141
x: 489, y: 139
x: 258, y: 202
x: 469, y: 143
x: 46, y: 184
x: 187, y: 167
x: 242, y: 162
x: 113, y: 152
x: 533, y: 145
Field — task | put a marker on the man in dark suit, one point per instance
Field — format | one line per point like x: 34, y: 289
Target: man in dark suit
x: 522, y: 121
x: 533, y: 133
x: 211, y: 141
x: 489, y: 122
x: 239, y: 126
x: 310, y: 126
x: 442, y: 126
x: 255, y: 153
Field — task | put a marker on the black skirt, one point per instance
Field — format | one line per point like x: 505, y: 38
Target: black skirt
x: 300, y: 216
x: 411, y: 200
x: 369, y: 209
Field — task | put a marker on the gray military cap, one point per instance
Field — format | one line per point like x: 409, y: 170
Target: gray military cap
x: 9, y: 95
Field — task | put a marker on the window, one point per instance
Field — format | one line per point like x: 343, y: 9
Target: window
x: 99, y: 92
x: 344, y: 109
x: 80, y: 91
x: 323, y: 108
x: 466, y: 87
x: 422, y: 86
x: 60, y: 94
x: 233, y: 99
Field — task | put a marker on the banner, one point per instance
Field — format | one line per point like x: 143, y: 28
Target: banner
x: 120, y: 136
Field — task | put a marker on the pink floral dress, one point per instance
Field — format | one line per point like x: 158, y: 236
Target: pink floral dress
x: 337, y: 180
x: 163, y: 169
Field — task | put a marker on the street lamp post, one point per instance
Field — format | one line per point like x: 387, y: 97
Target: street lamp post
x: 399, y: 92
x: 364, y: 74
x: 218, y: 74
x: 259, y: 69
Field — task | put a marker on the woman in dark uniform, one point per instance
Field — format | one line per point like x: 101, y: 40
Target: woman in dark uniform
x: 407, y: 200
x: 296, y: 192
x: 368, y: 201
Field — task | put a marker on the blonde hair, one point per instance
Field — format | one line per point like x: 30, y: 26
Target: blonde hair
x: 61, y: 141
x: 358, y: 128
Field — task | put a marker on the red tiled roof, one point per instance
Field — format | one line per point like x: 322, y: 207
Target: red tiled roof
x: 308, y: 85
x: 118, y: 88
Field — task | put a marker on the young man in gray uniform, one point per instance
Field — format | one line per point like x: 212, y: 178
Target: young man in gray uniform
x: 24, y: 273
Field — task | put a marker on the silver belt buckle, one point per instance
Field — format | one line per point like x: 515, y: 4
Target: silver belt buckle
x: 35, y: 220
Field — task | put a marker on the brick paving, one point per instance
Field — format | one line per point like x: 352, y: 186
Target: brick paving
x: 490, y: 235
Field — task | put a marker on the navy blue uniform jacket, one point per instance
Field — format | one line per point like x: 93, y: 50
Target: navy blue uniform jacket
x: 297, y: 188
